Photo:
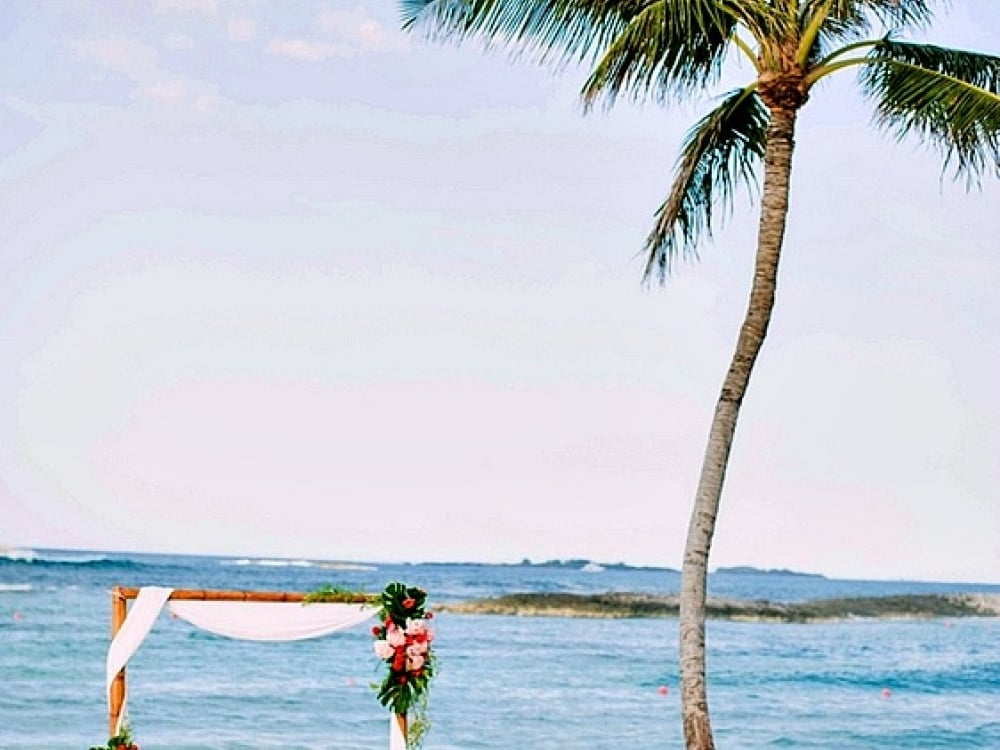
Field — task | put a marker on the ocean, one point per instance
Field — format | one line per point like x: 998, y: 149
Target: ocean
x: 502, y: 682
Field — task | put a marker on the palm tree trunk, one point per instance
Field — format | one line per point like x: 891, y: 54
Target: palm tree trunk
x: 694, y: 573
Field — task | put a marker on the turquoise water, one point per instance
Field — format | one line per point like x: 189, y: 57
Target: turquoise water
x: 503, y: 682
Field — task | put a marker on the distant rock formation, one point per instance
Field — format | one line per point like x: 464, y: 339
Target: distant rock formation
x: 624, y: 604
x: 749, y: 570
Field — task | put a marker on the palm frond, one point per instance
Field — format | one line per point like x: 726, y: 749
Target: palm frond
x: 554, y: 30
x: 668, y: 49
x: 720, y: 153
x: 892, y: 14
x: 847, y: 21
x: 949, y: 99
x: 632, y: 37
x: 901, y: 14
x: 766, y: 21
x: 843, y: 23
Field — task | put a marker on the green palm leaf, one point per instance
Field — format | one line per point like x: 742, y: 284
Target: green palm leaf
x: 645, y: 45
x: 949, y: 99
x: 557, y: 30
x: 720, y: 153
x: 842, y: 22
x: 668, y: 49
x: 899, y: 14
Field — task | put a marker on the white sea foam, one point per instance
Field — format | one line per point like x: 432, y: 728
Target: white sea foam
x: 346, y: 566
x: 270, y: 563
x: 20, y: 587
x: 20, y: 555
x: 33, y: 556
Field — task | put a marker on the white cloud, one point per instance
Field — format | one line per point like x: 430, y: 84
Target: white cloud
x: 178, y: 41
x: 124, y: 55
x: 241, y: 29
x: 138, y: 62
x: 305, y: 50
x: 170, y: 92
x: 205, y: 7
x: 345, y: 34
x: 359, y: 30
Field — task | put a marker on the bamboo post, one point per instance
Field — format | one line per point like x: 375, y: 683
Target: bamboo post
x: 119, y: 609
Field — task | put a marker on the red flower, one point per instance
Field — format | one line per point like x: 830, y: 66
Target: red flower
x: 429, y: 616
x: 376, y: 631
x: 402, y: 679
x: 409, y: 603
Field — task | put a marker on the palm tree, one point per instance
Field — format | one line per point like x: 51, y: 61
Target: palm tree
x: 667, y: 50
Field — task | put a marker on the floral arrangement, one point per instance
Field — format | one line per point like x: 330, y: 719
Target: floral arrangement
x: 403, y: 641
x: 121, y: 741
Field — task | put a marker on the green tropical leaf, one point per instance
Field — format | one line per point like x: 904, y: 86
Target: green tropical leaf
x: 720, y: 153
x: 642, y: 46
x: 665, y: 50
x: 555, y: 30
x: 859, y: 14
x: 833, y: 23
x: 949, y: 99
x: 900, y: 14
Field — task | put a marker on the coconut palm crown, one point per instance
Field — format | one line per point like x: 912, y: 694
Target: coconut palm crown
x: 671, y: 50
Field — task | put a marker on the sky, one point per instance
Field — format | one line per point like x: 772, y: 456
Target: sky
x: 283, y: 280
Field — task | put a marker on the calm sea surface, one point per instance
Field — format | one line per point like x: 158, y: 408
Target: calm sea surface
x: 503, y: 682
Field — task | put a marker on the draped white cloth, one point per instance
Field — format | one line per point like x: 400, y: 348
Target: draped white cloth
x: 132, y: 633
x: 271, y: 621
x: 257, y: 621
x: 397, y: 740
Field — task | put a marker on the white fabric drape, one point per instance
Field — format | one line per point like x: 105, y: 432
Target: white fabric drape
x: 132, y: 633
x: 397, y: 740
x: 271, y: 621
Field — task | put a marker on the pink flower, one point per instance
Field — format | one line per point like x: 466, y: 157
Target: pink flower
x: 383, y: 650
x: 395, y: 635
x: 414, y: 662
x: 415, y: 627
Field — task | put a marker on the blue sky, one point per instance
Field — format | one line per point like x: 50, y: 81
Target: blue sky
x: 282, y: 280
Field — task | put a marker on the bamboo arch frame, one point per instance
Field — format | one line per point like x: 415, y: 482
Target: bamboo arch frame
x: 121, y: 595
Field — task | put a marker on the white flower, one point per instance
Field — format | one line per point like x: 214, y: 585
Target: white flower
x: 415, y: 626
x: 383, y: 650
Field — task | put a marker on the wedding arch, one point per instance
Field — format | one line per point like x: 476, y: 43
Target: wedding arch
x: 280, y: 616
